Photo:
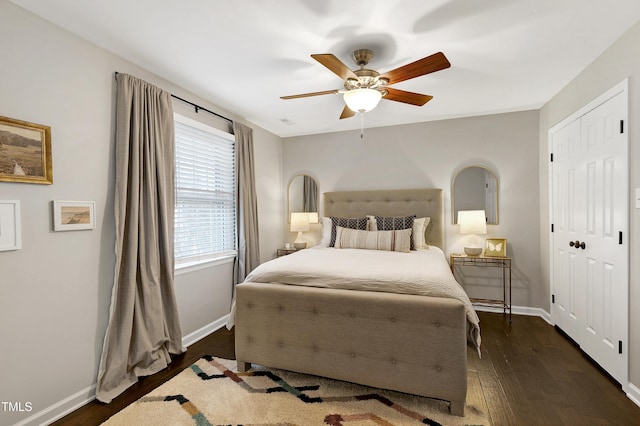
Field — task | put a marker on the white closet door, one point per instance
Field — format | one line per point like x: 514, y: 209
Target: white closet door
x: 569, y: 272
x: 606, y: 253
x: 590, y: 251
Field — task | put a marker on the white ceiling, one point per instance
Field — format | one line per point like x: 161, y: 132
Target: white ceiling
x: 506, y: 55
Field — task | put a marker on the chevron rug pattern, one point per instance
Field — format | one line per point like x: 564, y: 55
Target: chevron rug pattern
x: 212, y: 393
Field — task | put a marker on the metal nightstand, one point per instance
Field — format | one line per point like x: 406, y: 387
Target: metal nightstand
x: 488, y: 262
x: 285, y: 251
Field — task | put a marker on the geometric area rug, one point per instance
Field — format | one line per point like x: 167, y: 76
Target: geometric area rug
x: 211, y: 393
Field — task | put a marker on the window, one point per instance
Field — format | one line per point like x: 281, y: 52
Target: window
x: 205, y: 212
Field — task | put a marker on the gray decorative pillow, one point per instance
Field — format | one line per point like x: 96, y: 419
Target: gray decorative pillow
x: 346, y: 222
x: 396, y: 223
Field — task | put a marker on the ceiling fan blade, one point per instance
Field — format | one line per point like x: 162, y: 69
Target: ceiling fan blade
x: 335, y: 65
x: 306, y: 95
x: 347, y: 113
x: 403, y: 96
x: 433, y: 63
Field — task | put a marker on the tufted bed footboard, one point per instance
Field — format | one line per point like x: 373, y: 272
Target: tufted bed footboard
x: 406, y: 343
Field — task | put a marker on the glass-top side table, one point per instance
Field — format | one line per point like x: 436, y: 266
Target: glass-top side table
x: 456, y: 259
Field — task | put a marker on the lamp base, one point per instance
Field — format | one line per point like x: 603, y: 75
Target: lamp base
x: 473, y: 251
x: 299, y: 243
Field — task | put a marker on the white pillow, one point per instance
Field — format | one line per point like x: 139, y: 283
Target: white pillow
x: 419, y: 228
x: 326, y: 232
x: 397, y: 240
x: 372, y: 225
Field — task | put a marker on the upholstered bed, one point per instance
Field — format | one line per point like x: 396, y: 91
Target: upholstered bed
x: 411, y: 343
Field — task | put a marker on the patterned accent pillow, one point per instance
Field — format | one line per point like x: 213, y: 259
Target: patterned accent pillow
x: 346, y: 222
x: 396, y: 223
x: 398, y: 240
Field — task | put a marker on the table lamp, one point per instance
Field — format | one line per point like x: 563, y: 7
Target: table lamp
x: 473, y: 222
x: 299, y: 224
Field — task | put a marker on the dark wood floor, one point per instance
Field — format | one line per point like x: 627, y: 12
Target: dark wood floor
x: 529, y: 374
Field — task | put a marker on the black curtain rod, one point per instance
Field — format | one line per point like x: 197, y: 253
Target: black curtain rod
x: 198, y: 107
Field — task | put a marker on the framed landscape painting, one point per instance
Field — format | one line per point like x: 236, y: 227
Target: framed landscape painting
x: 73, y: 215
x: 25, y: 152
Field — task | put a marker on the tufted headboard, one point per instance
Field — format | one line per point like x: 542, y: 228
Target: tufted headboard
x: 396, y: 202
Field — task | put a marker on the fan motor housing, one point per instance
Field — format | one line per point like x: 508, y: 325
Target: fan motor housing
x: 367, y: 79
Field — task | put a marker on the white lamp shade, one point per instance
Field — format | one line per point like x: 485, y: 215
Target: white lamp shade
x: 362, y: 100
x: 472, y: 222
x: 299, y: 222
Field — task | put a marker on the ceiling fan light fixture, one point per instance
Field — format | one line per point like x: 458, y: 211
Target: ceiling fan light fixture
x: 362, y: 100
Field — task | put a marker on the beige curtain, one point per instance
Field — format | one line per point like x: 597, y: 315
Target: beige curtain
x: 247, y: 206
x: 143, y: 321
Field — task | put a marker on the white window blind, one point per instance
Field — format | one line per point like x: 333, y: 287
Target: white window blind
x: 205, y: 212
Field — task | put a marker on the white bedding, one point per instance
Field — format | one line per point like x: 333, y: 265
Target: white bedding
x: 421, y: 272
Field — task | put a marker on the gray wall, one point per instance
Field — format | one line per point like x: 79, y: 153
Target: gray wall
x: 55, y: 292
x: 620, y: 61
x: 430, y: 155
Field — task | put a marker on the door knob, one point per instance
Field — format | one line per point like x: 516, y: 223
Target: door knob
x: 577, y: 244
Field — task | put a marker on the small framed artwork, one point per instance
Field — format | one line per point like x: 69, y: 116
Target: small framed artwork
x: 495, y: 247
x: 73, y: 215
x: 10, y: 225
x: 25, y: 152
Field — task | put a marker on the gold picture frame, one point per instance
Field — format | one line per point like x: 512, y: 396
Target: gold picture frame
x: 495, y: 247
x: 25, y: 152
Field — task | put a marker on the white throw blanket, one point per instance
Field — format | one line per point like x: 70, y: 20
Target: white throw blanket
x: 421, y: 272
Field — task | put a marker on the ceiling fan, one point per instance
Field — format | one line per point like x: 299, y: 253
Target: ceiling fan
x: 363, y: 88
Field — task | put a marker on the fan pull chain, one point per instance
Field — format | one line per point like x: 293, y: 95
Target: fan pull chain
x: 361, y: 125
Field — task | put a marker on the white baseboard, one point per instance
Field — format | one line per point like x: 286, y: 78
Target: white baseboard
x: 203, y: 332
x: 62, y: 408
x: 633, y: 393
x: 517, y: 310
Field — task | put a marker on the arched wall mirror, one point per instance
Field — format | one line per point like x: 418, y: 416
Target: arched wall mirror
x: 475, y: 188
x: 303, y: 195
